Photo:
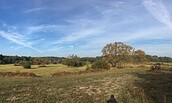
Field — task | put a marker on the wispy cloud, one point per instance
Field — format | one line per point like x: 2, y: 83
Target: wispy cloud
x: 74, y: 31
x: 84, y: 27
x: 159, y: 11
x: 34, y: 9
x: 15, y: 37
x: 45, y: 28
x: 80, y: 35
x: 128, y: 36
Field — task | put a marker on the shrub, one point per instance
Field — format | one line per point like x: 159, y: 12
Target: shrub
x: 141, y: 66
x: 55, y: 62
x: 87, y: 65
x: 17, y: 73
x: 26, y: 64
x: 74, y: 63
x: 156, y: 66
x: 41, y: 65
x: 17, y: 64
x: 100, y: 65
x: 121, y: 65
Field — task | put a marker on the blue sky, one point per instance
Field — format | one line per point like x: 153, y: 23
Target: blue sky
x: 83, y: 27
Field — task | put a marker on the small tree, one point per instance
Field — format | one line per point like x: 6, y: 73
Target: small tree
x: 100, y: 65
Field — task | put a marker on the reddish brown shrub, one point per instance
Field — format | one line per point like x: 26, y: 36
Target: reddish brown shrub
x: 74, y: 73
x: 155, y: 67
x: 20, y: 74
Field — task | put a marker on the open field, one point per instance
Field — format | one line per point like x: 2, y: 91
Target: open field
x: 85, y: 51
x: 42, y: 71
x: 131, y: 85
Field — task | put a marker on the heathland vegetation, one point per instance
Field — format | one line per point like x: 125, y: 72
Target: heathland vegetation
x: 122, y: 72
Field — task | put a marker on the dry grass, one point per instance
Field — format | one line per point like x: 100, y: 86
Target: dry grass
x: 41, y: 71
x: 132, y: 85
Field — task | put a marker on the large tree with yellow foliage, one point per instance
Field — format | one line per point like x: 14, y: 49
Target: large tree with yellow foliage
x: 118, y: 52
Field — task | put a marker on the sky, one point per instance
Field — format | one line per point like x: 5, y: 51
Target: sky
x: 84, y: 27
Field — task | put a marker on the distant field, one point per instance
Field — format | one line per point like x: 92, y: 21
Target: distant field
x: 131, y: 85
x: 41, y: 71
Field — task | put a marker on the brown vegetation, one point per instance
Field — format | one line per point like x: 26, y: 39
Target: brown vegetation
x: 155, y: 67
x: 58, y: 74
x: 20, y: 74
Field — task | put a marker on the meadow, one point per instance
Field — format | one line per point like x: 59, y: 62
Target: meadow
x: 41, y: 71
x: 130, y: 85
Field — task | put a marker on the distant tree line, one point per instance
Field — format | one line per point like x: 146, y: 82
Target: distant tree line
x: 155, y: 58
x: 4, y: 59
x: 113, y: 53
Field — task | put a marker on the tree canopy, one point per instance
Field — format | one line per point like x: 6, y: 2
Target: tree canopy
x: 118, y: 52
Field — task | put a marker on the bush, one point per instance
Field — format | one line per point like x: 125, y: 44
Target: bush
x: 18, y: 73
x: 26, y: 64
x: 41, y: 65
x: 156, y: 66
x: 87, y: 65
x: 73, y: 61
x: 121, y: 65
x: 17, y: 64
x: 100, y: 65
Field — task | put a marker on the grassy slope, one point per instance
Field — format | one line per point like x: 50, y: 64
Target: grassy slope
x: 127, y: 85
